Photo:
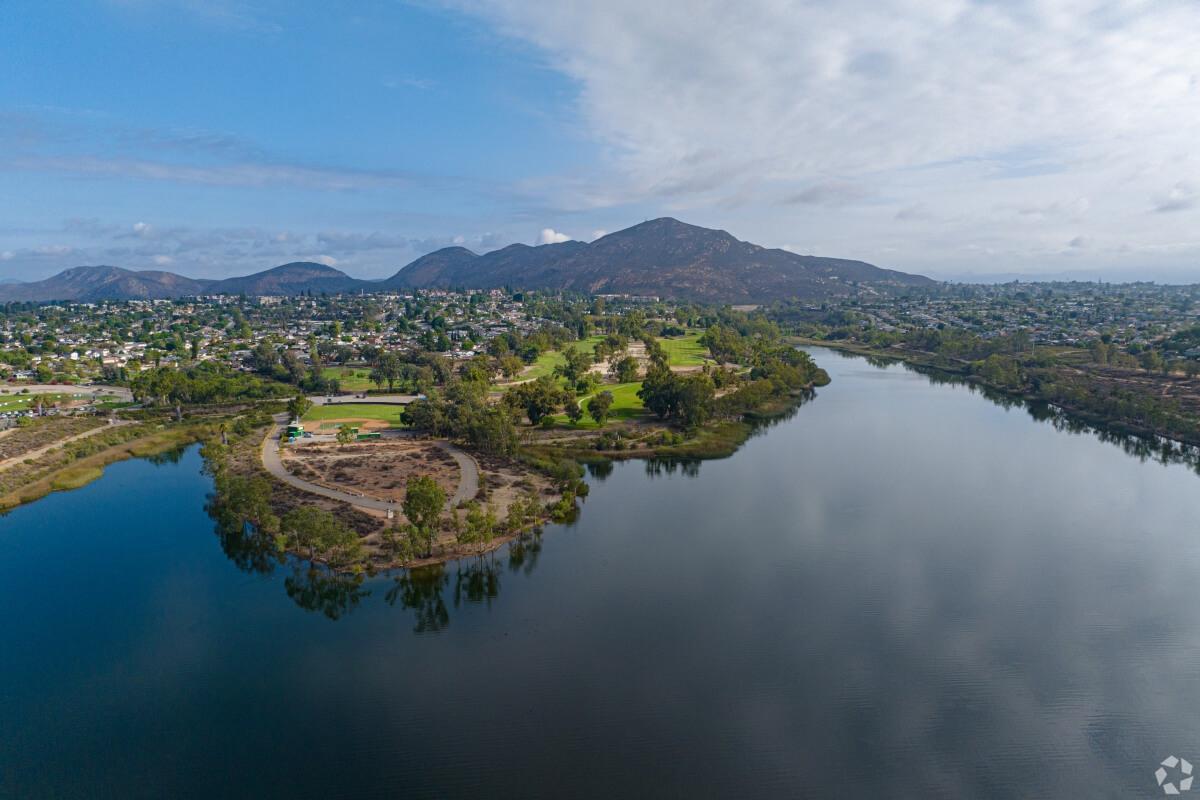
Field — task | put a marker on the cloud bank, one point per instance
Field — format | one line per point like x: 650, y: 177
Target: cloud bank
x: 910, y: 131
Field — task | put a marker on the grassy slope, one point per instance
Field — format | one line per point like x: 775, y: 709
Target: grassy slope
x: 24, y: 402
x: 686, y: 351
x: 552, y: 358
x: 683, y: 351
x: 389, y: 414
x: 626, y: 405
x: 352, y: 379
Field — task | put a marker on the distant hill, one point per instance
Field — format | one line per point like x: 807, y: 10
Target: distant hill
x: 93, y: 284
x: 89, y: 284
x: 663, y: 257
x: 299, y: 277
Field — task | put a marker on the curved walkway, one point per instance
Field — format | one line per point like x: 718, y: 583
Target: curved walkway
x: 468, y: 483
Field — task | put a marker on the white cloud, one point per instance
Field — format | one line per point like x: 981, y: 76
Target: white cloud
x: 885, y: 126
x: 7, y: 255
x: 328, y: 261
x: 141, y: 228
x: 597, y: 234
x: 551, y: 236
x: 163, y: 260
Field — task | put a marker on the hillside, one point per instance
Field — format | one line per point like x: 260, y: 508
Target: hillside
x: 299, y: 277
x: 662, y: 257
x: 91, y: 284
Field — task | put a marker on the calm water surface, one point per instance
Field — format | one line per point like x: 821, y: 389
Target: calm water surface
x: 904, y: 590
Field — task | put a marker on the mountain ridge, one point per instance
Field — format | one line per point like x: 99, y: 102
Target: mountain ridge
x: 662, y: 257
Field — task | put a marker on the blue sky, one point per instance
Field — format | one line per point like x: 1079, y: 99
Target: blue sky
x: 950, y: 137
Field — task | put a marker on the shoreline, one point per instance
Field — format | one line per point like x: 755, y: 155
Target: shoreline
x: 78, y: 473
x: 932, y: 361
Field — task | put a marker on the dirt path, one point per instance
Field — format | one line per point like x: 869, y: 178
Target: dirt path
x: 41, y: 451
x: 468, y: 484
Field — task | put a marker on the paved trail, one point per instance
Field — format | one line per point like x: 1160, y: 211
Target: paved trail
x: 468, y: 484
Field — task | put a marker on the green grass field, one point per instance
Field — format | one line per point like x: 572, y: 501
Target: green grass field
x: 24, y: 402
x: 357, y: 411
x: 626, y: 406
x: 352, y: 379
x: 552, y: 358
x: 686, y: 351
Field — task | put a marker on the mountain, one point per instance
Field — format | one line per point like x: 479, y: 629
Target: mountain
x: 90, y: 284
x: 93, y: 284
x: 296, y: 278
x: 663, y: 257
x: 425, y: 271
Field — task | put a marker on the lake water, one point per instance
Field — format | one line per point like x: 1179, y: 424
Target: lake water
x: 904, y: 590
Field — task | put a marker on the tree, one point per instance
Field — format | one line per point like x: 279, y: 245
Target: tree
x: 695, y: 395
x: 264, y: 357
x: 624, y: 370
x: 511, y: 366
x: 388, y: 369
x: 346, y: 435
x: 298, y: 406
x: 321, y: 533
x: 423, y: 502
x: 574, y: 412
x: 537, y: 399
x: 480, y: 527
x: 599, y: 406
x: 658, y: 391
x: 575, y: 364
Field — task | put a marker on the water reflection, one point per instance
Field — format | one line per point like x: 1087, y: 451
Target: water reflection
x: 477, y: 581
x: 599, y: 470
x: 420, y: 591
x: 687, y: 467
x: 314, y: 588
x: 524, y: 551
x: 171, y: 456
x: 1145, y: 448
x: 429, y: 592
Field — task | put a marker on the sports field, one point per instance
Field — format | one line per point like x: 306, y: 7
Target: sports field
x: 346, y: 412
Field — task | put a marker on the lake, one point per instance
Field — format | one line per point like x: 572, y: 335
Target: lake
x: 902, y: 590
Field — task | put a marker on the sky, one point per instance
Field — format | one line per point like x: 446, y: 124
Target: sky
x: 970, y: 140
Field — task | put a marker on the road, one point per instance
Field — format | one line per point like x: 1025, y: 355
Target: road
x: 468, y: 484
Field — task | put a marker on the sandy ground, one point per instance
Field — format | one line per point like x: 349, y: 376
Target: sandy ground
x: 376, y: 469
x: 636, y: 349
x: 332, y: 425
